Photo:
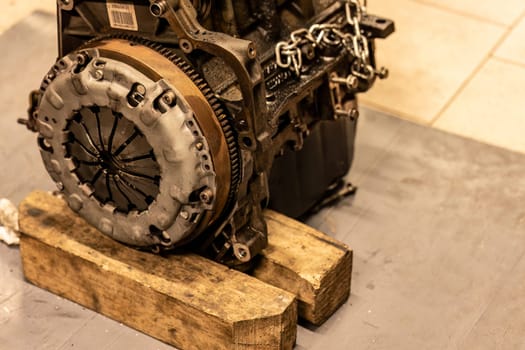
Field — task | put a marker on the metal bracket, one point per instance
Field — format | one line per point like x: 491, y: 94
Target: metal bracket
x: 337, y: 192
x: 238, y: 53
x: 377, y: 27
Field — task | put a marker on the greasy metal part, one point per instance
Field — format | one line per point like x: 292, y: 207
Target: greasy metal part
x: 334, y: 194
x: 162, y: 120
x: 67, y: 5
x: 198, y: 88
x: 157, y: 115
x: 203, y: 8
x: 376, y: 27
x: 333, y: 37
x: 120, y: 165
x: 228, y: 24
x: 269, y: 21
x: 238, y: 53
x: 195, y: 97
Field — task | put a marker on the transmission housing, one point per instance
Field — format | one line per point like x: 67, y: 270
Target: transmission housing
x: 170, y: 123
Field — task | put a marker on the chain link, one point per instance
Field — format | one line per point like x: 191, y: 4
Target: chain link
x: 289, y: 54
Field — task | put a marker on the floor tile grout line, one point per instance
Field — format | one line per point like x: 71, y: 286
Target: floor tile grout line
x: 461, y: 88
x: 391, y: 111
x: 77, y: 330
x: 461, y: 13
x: 495, y: 293
x: 508, y: 32
x: 508, y: 61
x: 477, y: 69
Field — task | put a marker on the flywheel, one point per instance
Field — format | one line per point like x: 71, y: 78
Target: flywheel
x: 135, y: 140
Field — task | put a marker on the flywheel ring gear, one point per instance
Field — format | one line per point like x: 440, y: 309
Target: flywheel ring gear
x: 105, y: 76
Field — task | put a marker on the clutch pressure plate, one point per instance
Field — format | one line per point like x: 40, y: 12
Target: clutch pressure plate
x: 137, y: 142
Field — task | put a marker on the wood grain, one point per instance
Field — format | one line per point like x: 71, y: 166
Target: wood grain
x: 184, y: 300
x: 308, y: 263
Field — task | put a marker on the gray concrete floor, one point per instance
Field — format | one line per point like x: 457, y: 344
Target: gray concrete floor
x: 437, y: 229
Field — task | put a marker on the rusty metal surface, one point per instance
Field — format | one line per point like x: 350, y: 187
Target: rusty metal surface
x: 437, y: 229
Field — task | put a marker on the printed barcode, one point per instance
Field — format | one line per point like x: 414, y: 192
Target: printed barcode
x: 116, y: 6
x: 122, y: 15
x: 122, y: 18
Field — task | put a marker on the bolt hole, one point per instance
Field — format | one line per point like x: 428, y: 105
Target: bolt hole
x: 156, y: 9
x: 186, y: 45
x: 44, y: 145
x: 99, y: 64
x: 242, y: 253
x: 247, y: 141
x: 136, y: 95
x: 195, y: 195
x: 155, y: 231
x: 252, y: 53
x: 380, y: 21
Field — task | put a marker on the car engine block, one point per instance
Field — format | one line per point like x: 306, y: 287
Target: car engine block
x: 169, y: 123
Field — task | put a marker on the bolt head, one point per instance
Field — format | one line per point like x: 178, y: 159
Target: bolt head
x: 352, y: 82
x: 141, y: 89
x: 383, y: 73
x: 169, y: 98
x: 242, y: 252
x: 353, y: 114
x: 158, y: 8
x: 252, y: 51
x: 184, y: 214
x: 98, y: 75
x: 206, y: 196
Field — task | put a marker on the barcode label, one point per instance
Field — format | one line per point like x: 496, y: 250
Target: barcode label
x: 122, y: 15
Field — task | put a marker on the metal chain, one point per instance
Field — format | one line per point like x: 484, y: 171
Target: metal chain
x: 289, y: 54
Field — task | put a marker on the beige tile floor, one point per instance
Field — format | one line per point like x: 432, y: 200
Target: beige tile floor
x: 14, y: 10
x: 457, y: 65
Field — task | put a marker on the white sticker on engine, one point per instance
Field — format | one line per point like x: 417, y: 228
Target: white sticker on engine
x: 122, y: 15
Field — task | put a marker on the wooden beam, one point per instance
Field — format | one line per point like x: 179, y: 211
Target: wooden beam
x: 184, y: 300
x: 308, y: 263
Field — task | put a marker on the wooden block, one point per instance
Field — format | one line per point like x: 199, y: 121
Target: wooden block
x: 183, y: 300
x: 308, y: 263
